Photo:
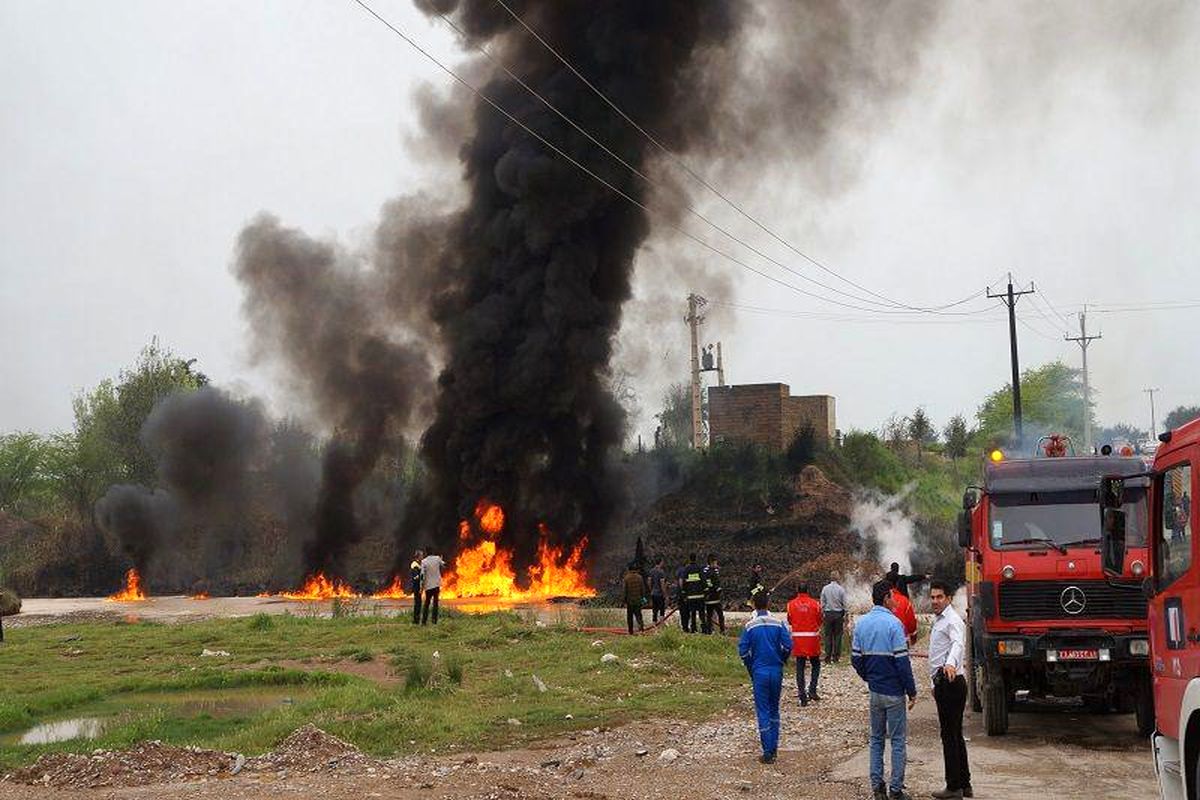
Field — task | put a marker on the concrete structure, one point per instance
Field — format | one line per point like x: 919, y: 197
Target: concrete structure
x: 767, y: 414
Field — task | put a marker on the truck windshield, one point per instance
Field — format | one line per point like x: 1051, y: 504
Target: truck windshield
x: 1066, y: 518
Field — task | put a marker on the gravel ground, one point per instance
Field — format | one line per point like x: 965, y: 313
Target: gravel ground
x: 714, y: 759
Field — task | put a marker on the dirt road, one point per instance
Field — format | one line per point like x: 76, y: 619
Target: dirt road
x: 1057, y: 751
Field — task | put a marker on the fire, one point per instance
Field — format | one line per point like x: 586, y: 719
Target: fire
x: 319, y: 587
x: 132, y: 591
x: 486, y: 570
x: 393, y: 591
x: 200, y: 596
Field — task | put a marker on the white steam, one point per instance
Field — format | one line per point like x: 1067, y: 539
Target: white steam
x: 881, y: 518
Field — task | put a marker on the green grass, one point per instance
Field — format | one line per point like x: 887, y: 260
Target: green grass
x: 480, y: 677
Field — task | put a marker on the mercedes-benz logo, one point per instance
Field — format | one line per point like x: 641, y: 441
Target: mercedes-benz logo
x: 1073, y: 600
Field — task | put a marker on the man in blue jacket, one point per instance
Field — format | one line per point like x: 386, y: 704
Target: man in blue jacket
x: 764, y: 647
x: 879, y: 653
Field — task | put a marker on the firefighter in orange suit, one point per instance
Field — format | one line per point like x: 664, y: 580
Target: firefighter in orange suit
x: 805, y: 618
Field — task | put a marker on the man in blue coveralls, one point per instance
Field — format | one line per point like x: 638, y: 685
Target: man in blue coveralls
x: 764, y: 647
x: 879, y: 653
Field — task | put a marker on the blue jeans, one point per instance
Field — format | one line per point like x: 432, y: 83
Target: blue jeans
x: 889, y: 716
x: 768, y: 684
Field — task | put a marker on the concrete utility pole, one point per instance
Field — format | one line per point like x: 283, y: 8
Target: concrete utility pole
x: 1153, y: 419
x: 1084, y: 340
x: 1010, y: 299
x: 720, y: 367
x: 695, y: 303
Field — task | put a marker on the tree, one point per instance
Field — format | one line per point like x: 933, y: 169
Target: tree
x: 956, y: 436
x: 23, y: 480
x: 1121, y: 432
x: 108, y: 420
x: 1179, y: 416
x: 802, y: 450
x: 920, y: 430
x: 1051, y: 402
x: 894, y: 431
x: 675, y: 419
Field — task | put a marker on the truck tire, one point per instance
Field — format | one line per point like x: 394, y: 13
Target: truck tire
x: 995, y: 705
x: 972, y: 674
x: 1143, y: 709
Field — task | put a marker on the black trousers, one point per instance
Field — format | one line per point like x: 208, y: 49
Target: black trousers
x: 431, y: 601
x: 835, y: 622
x: 416, y: 591
x: 695, y: 610
x: 951, y: 699
x: 658, y: 607
x: 634, y: 612
x: 801, y: 663
x: 713, y: 610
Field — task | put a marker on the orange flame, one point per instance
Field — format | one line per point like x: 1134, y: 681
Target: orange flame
x: 319, y: 587
x: 486, y: 570
x: 393, y: 591
x: 132, y: 591
x: 200, y: 596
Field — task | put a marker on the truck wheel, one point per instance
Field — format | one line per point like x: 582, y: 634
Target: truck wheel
x: 995, y: 705
x: 972, y: 675
x: 1143, y: 709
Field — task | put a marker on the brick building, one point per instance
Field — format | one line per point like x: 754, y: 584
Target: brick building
x: 767, y: 413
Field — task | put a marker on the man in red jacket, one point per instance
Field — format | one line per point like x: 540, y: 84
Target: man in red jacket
x: 804, y: 618
x: 903, y: 609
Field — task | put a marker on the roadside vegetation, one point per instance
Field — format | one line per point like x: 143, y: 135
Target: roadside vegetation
x: 380, y: 683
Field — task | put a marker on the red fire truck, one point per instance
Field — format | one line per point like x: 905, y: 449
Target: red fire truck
x: 1173, y: 590
x: 1043, y: 618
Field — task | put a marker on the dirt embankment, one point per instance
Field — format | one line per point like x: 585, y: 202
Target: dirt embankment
x: 783, y: 538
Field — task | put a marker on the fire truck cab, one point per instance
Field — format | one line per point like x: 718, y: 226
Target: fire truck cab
x: 1043, y: 618
x: 1173, y: 590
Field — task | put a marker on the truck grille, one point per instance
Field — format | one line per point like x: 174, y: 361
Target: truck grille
x: 1035, y: 600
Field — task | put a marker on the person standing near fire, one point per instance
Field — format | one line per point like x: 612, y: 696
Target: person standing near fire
x: 712, y: 596
x: 693, y: 593
x: 658, y: 591
x: 635, y: 597
x: 414, y: 584
x: 902, y: 607
x: 431, y: 579
x: 804, y: 618
x: 833, y: 607
x: 757, y: 584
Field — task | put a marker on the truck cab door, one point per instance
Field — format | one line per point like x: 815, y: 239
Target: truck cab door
x: 1175, y: 608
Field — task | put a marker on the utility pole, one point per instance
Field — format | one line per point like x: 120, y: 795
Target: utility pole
x: 1084, y: 340
x: 720, y: 367
x: 1010, y: 299
x: 1153, y: 419
x: 695, y: 303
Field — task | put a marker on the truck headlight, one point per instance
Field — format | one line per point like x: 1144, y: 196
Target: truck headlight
x: 1139, y: 647
x: 1011, y: 647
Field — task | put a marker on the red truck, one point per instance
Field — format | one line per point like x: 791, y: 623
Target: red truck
x: 1043, y: 618
x: 1172, y: 588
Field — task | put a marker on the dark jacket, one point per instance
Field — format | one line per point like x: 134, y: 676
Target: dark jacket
x: 635, y: 588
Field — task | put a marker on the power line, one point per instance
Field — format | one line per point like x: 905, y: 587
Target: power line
x: 619, y: 192
x: 725, y: 198
x: 642, y: 176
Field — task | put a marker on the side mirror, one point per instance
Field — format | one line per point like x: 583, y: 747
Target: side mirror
x: 964, y: 529
x: 970, y: 499
x: 1112, y: 542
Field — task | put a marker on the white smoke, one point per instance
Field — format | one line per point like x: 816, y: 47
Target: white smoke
x: 881, y: 518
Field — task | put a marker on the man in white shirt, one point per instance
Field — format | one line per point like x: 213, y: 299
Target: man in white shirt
x: 431, y: 579
x: 833, y: 609
x: 947, y: 649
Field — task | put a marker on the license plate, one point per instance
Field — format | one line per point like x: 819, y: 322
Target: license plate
x: 1079, y: 655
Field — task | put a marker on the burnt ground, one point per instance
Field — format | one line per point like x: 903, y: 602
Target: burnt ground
x: 1056, y: 750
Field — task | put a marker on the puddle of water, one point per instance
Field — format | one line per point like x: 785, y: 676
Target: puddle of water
x: 64, y: 730
x: 218, y: 704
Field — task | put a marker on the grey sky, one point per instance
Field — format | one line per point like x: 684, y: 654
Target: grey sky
x: 1059, y: 143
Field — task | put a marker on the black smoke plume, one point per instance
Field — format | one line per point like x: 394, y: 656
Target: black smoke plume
x: 542, y: 255
x: 319, y: 312
x: 206, y: 445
